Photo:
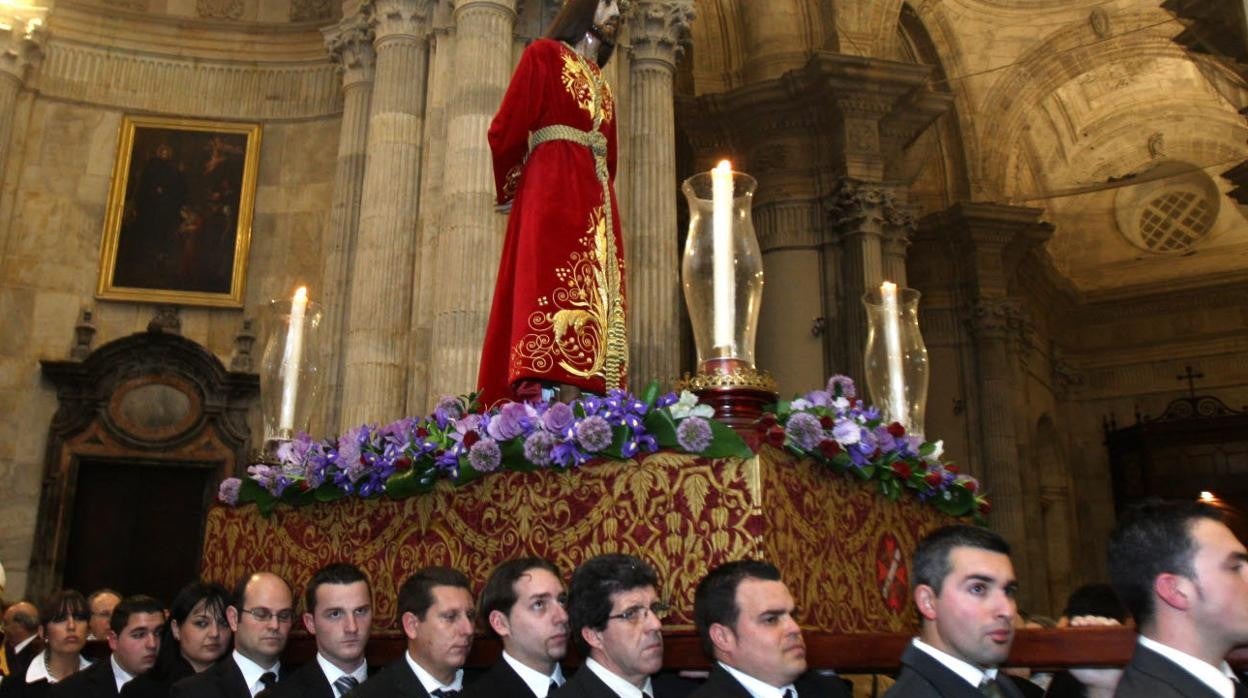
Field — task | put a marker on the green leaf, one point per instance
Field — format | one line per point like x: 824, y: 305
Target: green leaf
x: 651, y: 394
x: 467, y: 473
x: 251, y: 491
x: 956, y: 501
x: 661, y: 425
x: 513, y: 456
x: 927, y: 448
x: 619, y: 437
x: 412, y: 482
x: 725, y: 443
x: 328, y: 492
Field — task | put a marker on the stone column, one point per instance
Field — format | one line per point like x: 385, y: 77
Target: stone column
x: 899, y: 226
x: 350, y: 45
x: 790, y: 328
x: 21, y: 48
x: 657, y: 30
x: 375, y: 375
x: 471, y: 239
x: 990, y: 240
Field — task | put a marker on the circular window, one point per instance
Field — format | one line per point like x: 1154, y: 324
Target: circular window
x: 1174, y: 222
x: 1170, y: 211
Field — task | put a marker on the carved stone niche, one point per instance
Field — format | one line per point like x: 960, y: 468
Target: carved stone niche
x: 154, y: 407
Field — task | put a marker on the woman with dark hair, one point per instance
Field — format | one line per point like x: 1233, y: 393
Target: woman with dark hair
x: 64, y: 616
x: 195, y: 637
x: 557, y: 324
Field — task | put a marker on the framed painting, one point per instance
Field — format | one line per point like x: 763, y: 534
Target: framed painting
x: 178, y: 225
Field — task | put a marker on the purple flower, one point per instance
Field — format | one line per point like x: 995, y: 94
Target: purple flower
x: 227, y: 493
x: 847, y: 432
x: 694, y: 434
x: 819, y: 398
x: 666, y: 400
x: 884, y: 440
x: 515, y: 419
x: 448, y: 409
x: 350, y: 453
x: 805, y: 430
x: 538, y: 446
x: 485, y: 456
x: 558, y: 419
x: 594, y: 434
x: 842, y: 386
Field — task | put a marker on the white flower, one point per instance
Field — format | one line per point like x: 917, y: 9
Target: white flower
x: 934, y: 456
x: 800, y: 403
x: 841, y: 404
x: 687, y: 406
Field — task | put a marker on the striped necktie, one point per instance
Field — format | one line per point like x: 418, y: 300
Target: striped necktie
x: 345, y: 683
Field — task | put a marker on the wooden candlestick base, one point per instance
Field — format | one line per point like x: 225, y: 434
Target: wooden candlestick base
x: 736, y: 391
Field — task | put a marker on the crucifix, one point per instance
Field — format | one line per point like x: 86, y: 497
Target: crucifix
x: 1190, y: 377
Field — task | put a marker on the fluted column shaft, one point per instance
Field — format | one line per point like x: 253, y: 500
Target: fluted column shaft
x: 20, y: 50
x: 350, y: 44
x: 375, y: 376
x: 471, y: 240
x: 789, y: 344
x: 657, y: 30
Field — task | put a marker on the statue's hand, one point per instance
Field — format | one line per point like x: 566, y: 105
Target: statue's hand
x: 503, y: 208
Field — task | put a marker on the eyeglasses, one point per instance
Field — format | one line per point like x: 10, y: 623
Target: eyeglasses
x: 264, y: 615
x: 636, y: 614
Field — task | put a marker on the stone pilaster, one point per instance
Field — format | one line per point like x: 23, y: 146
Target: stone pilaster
x: 471, y: 239
x: 21, y: 49
x: 899, y: 227
x: 657, y: 30
x: 350, y: 45
x: 375, y: 376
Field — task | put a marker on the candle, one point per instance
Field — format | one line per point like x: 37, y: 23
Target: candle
x: 723, y: 259
x: 291, y: 359
x: 892, y: 344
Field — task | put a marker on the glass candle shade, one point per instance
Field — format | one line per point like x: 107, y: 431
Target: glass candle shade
x: 291, y: 370
x: 896, y: 358
x: 722, y: 269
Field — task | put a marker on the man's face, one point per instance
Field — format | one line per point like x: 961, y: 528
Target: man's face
x: 536, y: 630
x: 101, y: 613
x: 607, y: 19
x: 766, y: 642
x: 15, y: 632
x: 262, y: 641
x: 138, y: 643
x: 341, y: 623
x: 973, y: 616
x: 440, y: 641
x: 630, y: 648
x: 1220, y: 606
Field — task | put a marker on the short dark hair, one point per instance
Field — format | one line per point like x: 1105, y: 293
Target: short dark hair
x: 572, y: 24
x: 416, y: 594
x: 1153, y: 537
x: 60, y: 605
x: 931, y: 556
x: 1097, y: 599
x: 593, y: 585
x: 334, y: 573
x: 139, y: 603
x: 28, y: 622
x: 499, y: 593
x: 715, y: 599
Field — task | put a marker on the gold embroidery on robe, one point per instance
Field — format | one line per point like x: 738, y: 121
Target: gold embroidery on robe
x: 581, y: 327
x: 581, y: 82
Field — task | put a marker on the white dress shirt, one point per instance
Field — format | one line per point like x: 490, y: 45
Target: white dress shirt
x: 333, y: 673
x: 971, y: 673
x: 38, y: 671
x: 1219, y: 679
x: 431, y: 684
x: 756, y: 688
x: 252, y: 672
x: 121, y: 676
x: 616, y: 683
x: 537, y: 682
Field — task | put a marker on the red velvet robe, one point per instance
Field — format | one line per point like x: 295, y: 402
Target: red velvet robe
x: 558, y: 311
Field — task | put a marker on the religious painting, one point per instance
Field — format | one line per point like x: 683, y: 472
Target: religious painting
x: 178, y: 224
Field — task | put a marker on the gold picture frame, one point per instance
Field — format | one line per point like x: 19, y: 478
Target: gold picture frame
x: 178, y: 225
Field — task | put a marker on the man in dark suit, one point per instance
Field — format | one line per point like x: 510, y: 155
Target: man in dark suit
x: 964, y: 589
x: 744, y: 615
x: 437, y: 613
x: 1183, y: 575
x: 260, y: 616
x: 21, y: 636
x: 339, y: 615
x: 523, y: 604
x: 616, y: 620
x: 134, y: 638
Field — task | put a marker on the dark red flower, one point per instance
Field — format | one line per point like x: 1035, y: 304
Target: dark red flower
x: 896, y: 430
x: 403, y: 463
x: 984, y: 507
x: 775, y: 436
x: 830, y: 448
x: 471, y: 438
x: 902, y: 469
x: 970, y: 485
x: 421, y: 432
x: 952, y: 468
x: 932, y: 479
x: 827, y: 422
x: 767, y: 421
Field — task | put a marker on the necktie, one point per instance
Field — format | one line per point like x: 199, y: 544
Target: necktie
x: 1241, y: 691
x: 267, y: 679
x: 990, y: 688
x: 445, y: 693
x: 551, y: 691
x: 345, y: 683
x: 788, y: 693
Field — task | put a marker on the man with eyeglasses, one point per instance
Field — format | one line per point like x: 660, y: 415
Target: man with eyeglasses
x: 260, y: 617
x: 524, y: 605
x: 616, y: 621
x: 744, y: 614
x: 339, y: 615
x: 437, y: 613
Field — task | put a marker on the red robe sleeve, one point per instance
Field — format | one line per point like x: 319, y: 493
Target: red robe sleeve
x: 516, y: 117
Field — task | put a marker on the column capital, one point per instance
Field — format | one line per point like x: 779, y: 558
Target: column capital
x: 21, y: 47
x: 350, y: 45
x: 398, y: 18
x: 659, y: 30
x: 860, y: 207
x: 993, y: 239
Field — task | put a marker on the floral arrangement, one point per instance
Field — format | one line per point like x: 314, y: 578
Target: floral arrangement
x: 460, y: 443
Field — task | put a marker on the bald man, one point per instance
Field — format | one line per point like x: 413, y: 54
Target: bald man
x: 260, y: 616
x: 21, y: 636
